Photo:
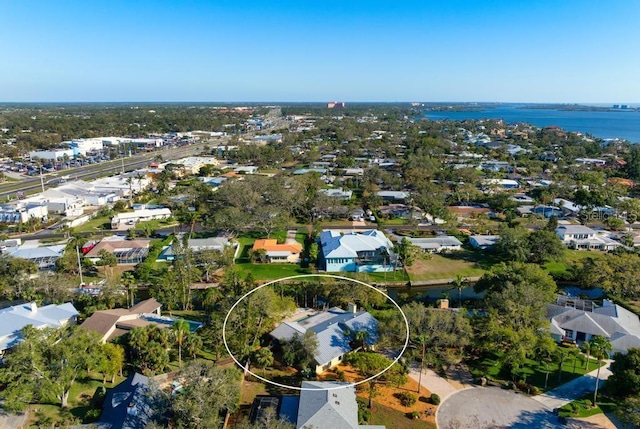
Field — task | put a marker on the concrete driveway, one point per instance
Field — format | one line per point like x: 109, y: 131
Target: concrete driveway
x: 492, y: 407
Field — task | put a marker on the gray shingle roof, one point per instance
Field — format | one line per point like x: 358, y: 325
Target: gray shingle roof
x: 329, y: 328
x: 335, y: 409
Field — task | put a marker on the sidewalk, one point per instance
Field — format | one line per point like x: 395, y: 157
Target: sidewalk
x: 433, y: 382
x: 575, y: 389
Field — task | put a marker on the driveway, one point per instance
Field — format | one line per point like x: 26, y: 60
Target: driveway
x: 12, y: 421
x: 492, y: 407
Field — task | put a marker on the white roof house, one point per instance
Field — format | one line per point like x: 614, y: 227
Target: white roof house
x: 582, y: 237
x: 13, y: 319
x: 579, y: 321
x: 324, y: 408
x: 329, y: 327
x: 365, y: 251
x: 45, y: 257
x: 437, y: 244
x: 483, y: 241
x: 122, y: 220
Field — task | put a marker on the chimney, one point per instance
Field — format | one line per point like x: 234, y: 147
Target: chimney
x: 352, y: 308
x: 33, y: 307
x: 443, y: 303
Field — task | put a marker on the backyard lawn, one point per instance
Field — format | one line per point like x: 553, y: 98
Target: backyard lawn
x: 444, y: 267
x: 561, y: 267
x: 271, y: 271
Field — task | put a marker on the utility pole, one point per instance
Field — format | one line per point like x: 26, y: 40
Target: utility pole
x: 41, y: 179
x: 79, y: 265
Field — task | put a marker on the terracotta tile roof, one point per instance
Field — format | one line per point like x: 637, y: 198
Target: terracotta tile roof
x: 271, y: 245
x: 110, y: 246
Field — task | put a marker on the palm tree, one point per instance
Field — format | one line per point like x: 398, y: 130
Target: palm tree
x: 586, y: 348
x: 263, y: 358
x: 130, y: 183
x: 600, y: 349
x: 361, y: 337
x: 192, y: 344
x: 422, y: 339
x: 561, y: 355
x: 129, y: 283
x: 181, y: 329
x: 459, y: 282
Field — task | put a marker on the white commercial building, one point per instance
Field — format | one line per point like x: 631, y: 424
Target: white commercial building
x: 51, y: 155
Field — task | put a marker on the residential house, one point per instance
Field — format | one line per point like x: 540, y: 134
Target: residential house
x: 279, y: 253
x: 199, y: 245
x: 13, y: 319
x: 579, y: 320
x: 545, y: 211
x: 129, y: 405
x: 581, y: 237
x: 330, y: 327
x: 401, y: 211
x: 395, y: 196
x: 501, y: 184
x: 337, y: 193
x: 483, y: 241
x: 367, y: 251
x: 45, y: 257
x: 324, y: 405
x: 444, y: 243
x: 356, y: 215
x: 126, y: 251
x: 321, y: 404
x: 110, y: 324
x: 128, y: 220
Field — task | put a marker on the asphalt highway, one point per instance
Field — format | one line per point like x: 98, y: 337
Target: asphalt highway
x: 32, y: 184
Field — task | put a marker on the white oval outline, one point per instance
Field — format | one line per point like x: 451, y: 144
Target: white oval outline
x: 345, y: 385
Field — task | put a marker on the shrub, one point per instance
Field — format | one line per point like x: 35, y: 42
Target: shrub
x: 340, y: 375
x: 415, y: 415
x: 435, y: 399
x: 407, y: 399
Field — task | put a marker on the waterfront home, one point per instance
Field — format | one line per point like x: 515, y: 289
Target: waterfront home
x: 367, y: 251
x: 579, y: 320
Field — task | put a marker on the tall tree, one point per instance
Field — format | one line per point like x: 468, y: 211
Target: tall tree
x: 208, y: 392
x: 600, y: 349
x: 46, y: 365
x: 370, y: 364
x: 181, y: 329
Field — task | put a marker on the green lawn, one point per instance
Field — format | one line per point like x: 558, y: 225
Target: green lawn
x: 271, y: 271
x: 561, y: 267
x: 448, y: 267
x: 45, y: 415
x: 381, y: 415
x: 534, y: 373
x: 579, y: 408
x: 99, y: 223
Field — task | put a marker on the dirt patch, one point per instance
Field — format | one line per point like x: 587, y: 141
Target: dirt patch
x: 386, y: 395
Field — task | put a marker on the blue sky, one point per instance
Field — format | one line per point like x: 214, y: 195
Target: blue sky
x: 422, y: 50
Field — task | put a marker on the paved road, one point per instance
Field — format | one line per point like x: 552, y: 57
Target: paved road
x: 574, y: 389
x: 492, y: 407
